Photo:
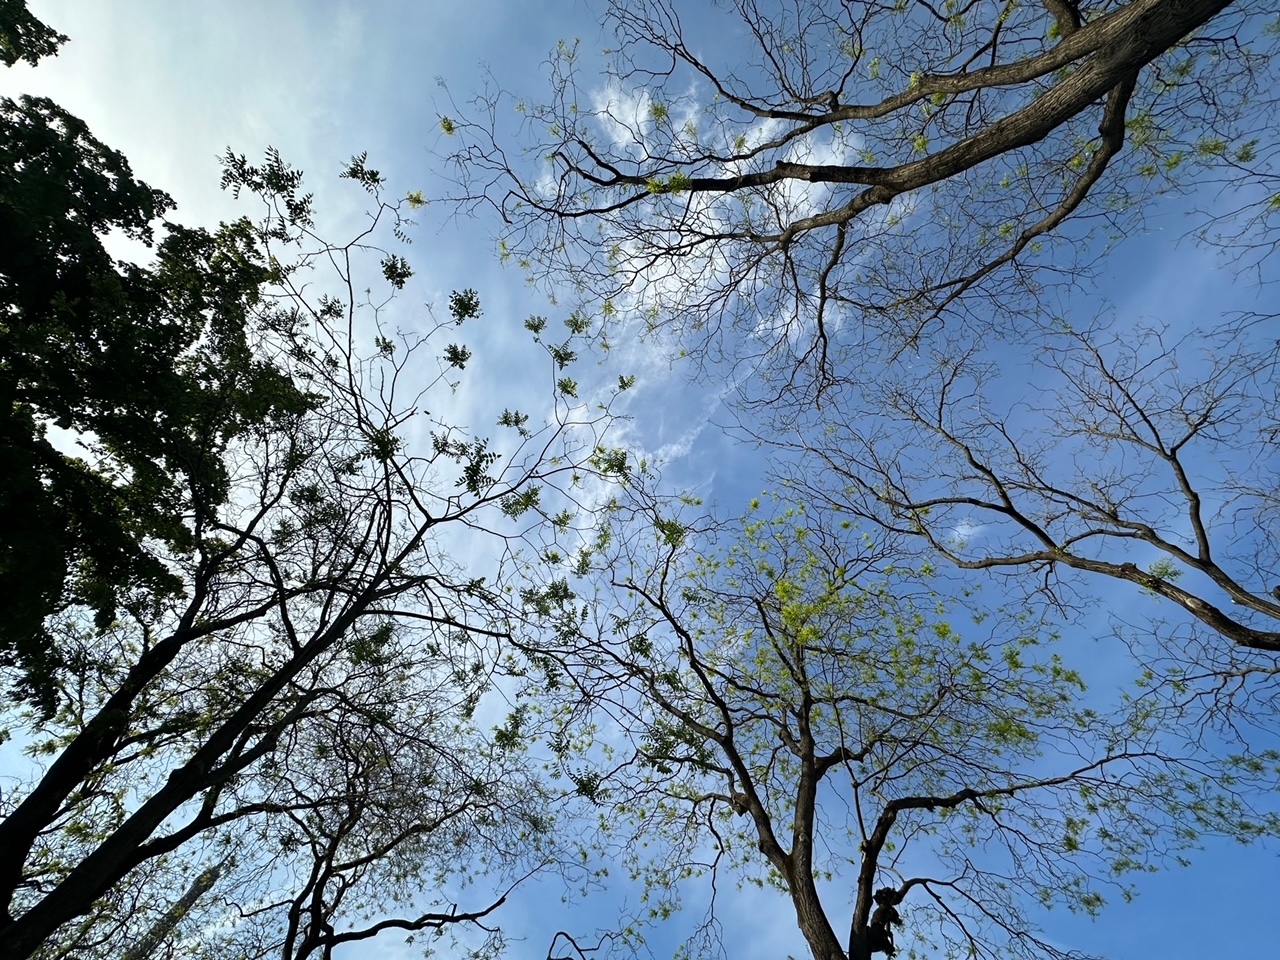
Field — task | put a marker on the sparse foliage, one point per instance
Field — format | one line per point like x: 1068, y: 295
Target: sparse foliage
x: 842, y: 180
x: 1143, y: 456
x: 799, y: 711
x: 856, y: 213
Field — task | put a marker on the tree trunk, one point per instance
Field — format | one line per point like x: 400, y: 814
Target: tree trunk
x: 162, y: 928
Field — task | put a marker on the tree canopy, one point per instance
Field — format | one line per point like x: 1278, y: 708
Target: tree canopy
x: 875, y: 221
x: 151, y: 369
x: 799, y: 710
x: 849, y: 176
x: 320, y: 637
x: 234, y: 616
x: 878, y: 225
x: 24, y: 36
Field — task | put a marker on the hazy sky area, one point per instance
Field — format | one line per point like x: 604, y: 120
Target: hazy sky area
x: 172, y: 85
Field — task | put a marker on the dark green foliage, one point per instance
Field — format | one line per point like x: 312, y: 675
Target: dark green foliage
x: 149, y: 369
x: 23, y: 36
x: 464, y: 305
x: 396, y: 271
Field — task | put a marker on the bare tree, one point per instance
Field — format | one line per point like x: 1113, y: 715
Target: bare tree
x: 820, y: 181
x: 797, y: 709
x: 1133, y: 454
x: 319, y: 668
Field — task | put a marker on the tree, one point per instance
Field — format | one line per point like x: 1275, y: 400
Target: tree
x: 798, y: 709
x: 151, y: 369
x: 806, y: 182
x: 310, y: 680
x: 25, y: 37
x: 869, y: 191
x: 1138, y: 445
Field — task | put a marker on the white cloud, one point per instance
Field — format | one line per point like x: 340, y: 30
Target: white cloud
x: 624, y: 115
x: 965, y: 532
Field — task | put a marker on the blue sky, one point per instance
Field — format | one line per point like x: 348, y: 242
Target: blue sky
x: 172, y: 85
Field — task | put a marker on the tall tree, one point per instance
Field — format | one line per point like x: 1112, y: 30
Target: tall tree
x: 149, y: 371
x: 309, y: 678
x: 861, y: 208
x: 798, y: 710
